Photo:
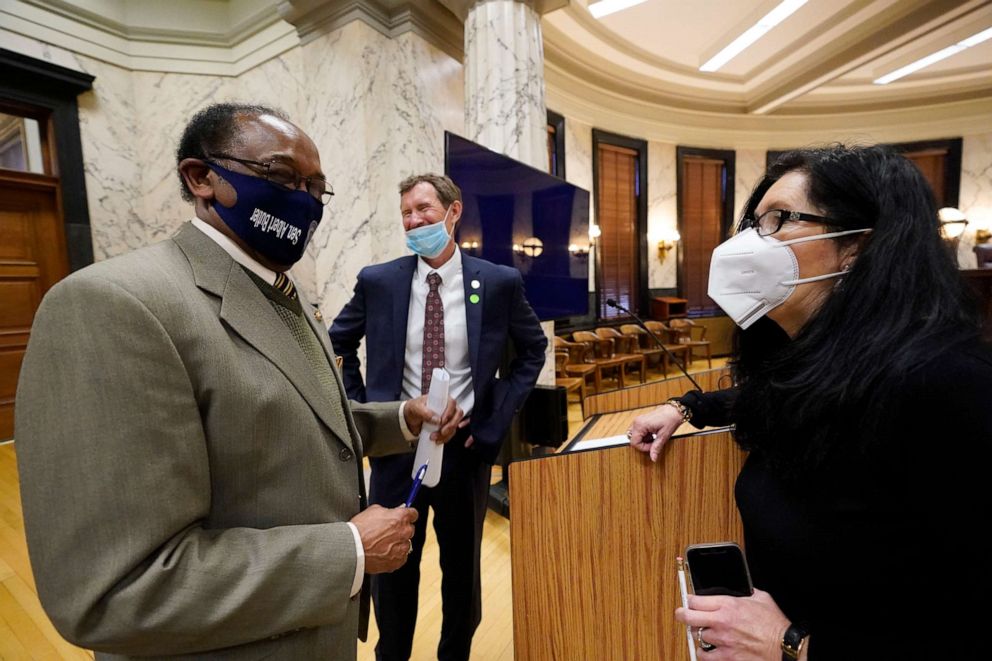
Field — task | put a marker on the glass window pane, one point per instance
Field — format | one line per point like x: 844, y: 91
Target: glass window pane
x: 20, y: 144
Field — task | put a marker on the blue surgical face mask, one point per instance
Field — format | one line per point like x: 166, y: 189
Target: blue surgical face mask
x: 429, y: 241
x: 274, y: 221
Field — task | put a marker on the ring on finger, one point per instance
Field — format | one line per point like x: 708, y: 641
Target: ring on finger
x: 703, y: 645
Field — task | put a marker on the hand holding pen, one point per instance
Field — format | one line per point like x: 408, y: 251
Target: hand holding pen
x: 417, y: 481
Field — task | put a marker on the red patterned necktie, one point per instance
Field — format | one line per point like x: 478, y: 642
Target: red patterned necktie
x: 433, y: 333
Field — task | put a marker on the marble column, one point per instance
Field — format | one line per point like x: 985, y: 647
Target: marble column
x: 504, y: 80
x: 504, y: 93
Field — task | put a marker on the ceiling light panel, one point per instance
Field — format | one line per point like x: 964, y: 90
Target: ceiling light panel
x: 933, y: 58
x: 781, y: 12
x: 607, y: 7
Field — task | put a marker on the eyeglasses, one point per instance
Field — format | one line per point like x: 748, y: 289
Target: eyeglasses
x: 772, y: 220
x: 285, y: 176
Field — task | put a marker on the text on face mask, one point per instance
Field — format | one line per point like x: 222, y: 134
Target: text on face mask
x: 266, y: 222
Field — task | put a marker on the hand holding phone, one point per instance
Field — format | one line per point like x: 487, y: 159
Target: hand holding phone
x: 718, y: 568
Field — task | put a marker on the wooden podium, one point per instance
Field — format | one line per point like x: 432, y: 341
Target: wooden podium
x: 594, y: 537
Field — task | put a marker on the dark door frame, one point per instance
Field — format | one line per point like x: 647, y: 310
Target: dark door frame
x: 641, y: 147
x: 729, y: 158
x: 47, y: 92
x: 952, y: 162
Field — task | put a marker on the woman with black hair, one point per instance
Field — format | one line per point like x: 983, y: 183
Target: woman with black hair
x: 864, y: 397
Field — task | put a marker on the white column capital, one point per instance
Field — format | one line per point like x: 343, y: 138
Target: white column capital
x: 461, y: 8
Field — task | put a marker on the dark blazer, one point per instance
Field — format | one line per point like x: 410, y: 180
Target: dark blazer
x: 378, y: 311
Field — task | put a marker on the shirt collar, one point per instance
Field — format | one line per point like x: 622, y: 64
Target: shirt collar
x: 235, y: 251
x: 447, y: 270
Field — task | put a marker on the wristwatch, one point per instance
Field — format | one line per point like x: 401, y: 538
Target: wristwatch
x: 793, y: 641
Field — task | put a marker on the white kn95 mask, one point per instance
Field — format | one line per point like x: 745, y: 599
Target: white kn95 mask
x: 752, y: 274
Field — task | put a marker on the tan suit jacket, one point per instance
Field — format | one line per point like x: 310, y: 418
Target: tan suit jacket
x: 185, y: 479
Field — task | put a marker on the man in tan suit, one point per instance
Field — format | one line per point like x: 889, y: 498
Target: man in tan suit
x: 190, y: 467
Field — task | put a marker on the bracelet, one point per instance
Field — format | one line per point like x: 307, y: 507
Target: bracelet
x: 683, y: 410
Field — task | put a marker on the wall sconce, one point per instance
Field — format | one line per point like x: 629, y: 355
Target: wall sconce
x: 532, y: 247
x: 952, y: 223
x: 578, y: 251
x: 470, y: 245
x: 982, y: 235
x: 594, y: 232
x: 666, y: 241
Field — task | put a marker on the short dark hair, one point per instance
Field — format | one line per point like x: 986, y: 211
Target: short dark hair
x: 902, y: 299
x: 447, y: 190
x: 213, y: 130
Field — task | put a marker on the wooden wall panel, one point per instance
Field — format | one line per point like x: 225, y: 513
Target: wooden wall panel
x: 594, y: 536
x: 654, y: 393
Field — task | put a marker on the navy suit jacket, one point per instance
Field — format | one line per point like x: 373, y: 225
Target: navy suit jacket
x: 379, y: 308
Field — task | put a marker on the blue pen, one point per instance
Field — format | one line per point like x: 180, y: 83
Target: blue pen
x: 417, y: 481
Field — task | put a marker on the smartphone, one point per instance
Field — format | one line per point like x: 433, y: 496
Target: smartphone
x: 718, y: 568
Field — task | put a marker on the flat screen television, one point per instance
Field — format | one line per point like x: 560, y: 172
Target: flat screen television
x: 519, y: 216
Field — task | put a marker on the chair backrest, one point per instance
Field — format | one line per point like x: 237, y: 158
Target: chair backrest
x: 576, y: 351
x: 636, y: 336
x: 603, y: 347
x: 686, y: 326
x: 622, y: 343
x: 561, y: 359
x: 656, y: 327
x: 663, y: 332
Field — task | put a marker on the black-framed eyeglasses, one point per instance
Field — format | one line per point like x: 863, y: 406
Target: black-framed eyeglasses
x: 285, y: 176
x: 772, y: 220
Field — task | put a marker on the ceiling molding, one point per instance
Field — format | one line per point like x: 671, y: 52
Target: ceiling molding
x: 887, y: 31
x: 428, y: 18
x: 602, y: 107
x: 461, y: 8
x: 810, y: 59
x: 237, y: 27
x: 671, y: 72
x: 167, y: 53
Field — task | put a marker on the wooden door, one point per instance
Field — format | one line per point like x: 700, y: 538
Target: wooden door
x: 32, y: 259
x: 703, y: 185
x: 619, y: 267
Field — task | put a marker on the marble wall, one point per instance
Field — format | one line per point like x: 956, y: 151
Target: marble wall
x: 662, y: 213
x: 378, y: 116
x: 749, y: 166
x: 976, y: 192
x: 376, y: 108
x: 578, y: 171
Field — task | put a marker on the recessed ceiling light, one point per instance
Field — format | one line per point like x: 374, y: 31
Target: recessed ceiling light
x: 942, y: 54
x: 607, y: 7
x: 783, y: 11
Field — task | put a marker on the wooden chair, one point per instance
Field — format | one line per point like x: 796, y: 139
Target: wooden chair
x: 684, y: 329
x: 677, y: 350
x: 577, y: 364
x: 569, y: 383
x: 643, y: 344
x: 601, y: 355
x: 624, y: 347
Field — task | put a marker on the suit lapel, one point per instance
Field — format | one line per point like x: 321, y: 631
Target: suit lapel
x: 473, y: 311
x: 340, y: 402
x: 401, y: 309
x: 248, y: 313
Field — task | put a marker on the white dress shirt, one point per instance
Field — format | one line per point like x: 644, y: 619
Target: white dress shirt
x: 269, y: 276
x: 456, y: 362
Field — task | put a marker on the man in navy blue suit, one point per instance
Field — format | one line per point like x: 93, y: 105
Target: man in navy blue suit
x: 439, y: 308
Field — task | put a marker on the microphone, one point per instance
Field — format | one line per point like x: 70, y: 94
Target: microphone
x: 613, y: 304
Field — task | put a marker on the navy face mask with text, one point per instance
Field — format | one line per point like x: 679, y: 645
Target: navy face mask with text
x: 274, y: 221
